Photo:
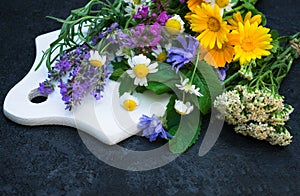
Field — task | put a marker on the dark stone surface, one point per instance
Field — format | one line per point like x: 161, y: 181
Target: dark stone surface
x: 53, y: 159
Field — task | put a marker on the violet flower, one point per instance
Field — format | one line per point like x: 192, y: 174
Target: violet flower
x: 152, y: 128
x: 142, y: 12
x: 162, y: 18
x: 180, y: 56
x: 221, y: 72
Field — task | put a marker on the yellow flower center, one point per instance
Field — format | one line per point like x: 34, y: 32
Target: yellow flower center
x: 162, y: 56
x: 173, y: 26
x: 129, y: 105
x: 222, y: 3
x: 213, y: 24
x: 141, y: 70
x: 137, y: 2
x: 181, y: 113
x: 96, y: 63
x: 247, y: 45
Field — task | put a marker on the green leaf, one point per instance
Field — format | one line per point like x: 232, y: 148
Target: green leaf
x: 126, y: 84
x: 158, y: 88
x: 172, y: 117
x: 163, y: 80
x: 116, y: 74
x: 209, y: 84
x: 164, y: 74
x: 187, y: 132
x: 185, y: 129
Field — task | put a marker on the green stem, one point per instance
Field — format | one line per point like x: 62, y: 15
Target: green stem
x: 195, y: 68
x: 128, y: 22
x: 231, y: 78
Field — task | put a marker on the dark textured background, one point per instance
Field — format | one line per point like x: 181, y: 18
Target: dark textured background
x: 53, y: 159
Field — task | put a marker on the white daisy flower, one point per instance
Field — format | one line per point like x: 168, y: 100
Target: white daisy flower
x: 159, y: 53
x: 188, y: 88
x: 141, y: 67
x: 223, y: 5
x: 96, y: 59
x: 175, y: 25
x: 129, y: 102
x: 183, y: 108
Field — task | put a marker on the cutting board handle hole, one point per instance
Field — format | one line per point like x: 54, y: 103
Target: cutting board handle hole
x: 36, y: 97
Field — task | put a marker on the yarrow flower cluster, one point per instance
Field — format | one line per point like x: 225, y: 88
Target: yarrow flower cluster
x: 257, y: 113
x: 185, y: 49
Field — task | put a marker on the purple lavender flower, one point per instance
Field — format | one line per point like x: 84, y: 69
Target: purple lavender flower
x: 46, y: 87
x: 221, y: 72
x: 63, y: 64
x: 180, y: 56
x: 64, y: 92
x: 152, y: 128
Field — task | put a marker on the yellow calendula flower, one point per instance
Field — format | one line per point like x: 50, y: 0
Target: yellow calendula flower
x: 208, y: 22
x: 218, y: 57
x: 192, y: 4
x: 237, y: 17
x: 253, y: 42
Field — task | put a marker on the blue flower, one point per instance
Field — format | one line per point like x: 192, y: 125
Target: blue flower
x: 152, y: 128
x: 180, y: 56
x: 221, y: 72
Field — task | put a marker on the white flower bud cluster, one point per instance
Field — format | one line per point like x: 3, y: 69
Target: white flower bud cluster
x: 257, y: 113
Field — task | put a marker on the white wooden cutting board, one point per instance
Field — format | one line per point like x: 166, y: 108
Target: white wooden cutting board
x: 105, y: 119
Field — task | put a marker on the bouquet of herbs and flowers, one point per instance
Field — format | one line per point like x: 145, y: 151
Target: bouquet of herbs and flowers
x: 187, y: 49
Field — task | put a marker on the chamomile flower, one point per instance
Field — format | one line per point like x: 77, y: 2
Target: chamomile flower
x: 223, y: 5
x: 129, y: 102
x: 183, y: 108
x: 159, y: 53
x: 175, y: 25
x: 96, y: 59
x: 188, y: 88
x: 141, y: 67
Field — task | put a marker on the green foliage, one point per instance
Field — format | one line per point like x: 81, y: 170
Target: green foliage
x: 119, y: 69
x: 209, y: 85
x: 185, y: 129
x: 126, y: 84
x: 164, y: 80
x: 187, y: 132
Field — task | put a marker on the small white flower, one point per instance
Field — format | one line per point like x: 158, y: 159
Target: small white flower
x: 96, y: 59
x: 183, y: 108
x: 141, y: 67
x: 223, y: 5
x: 159, y: 53
x: 129, y: 102
x: 188, y: 88
x: 175, y: 25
